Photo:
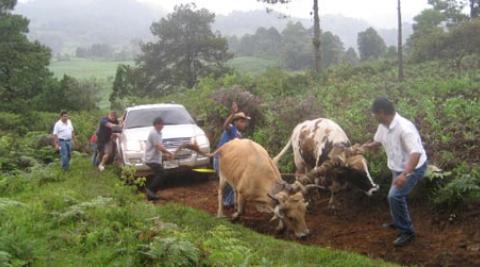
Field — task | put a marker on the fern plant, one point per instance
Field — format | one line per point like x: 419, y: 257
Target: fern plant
x: 172, y: 252
x: 461, y: 189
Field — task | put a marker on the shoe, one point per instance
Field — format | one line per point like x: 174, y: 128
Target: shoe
x: 101, y: 167
x: 404, y: 239
x: 151, y: 196
x: 389, y: 226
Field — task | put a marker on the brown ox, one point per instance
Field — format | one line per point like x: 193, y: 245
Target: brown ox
x: 248, y: 168
x: 323, y: 155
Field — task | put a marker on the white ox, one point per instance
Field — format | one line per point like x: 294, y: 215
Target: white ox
x: 323, y: 155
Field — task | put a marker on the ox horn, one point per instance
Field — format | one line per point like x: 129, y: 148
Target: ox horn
x: 313, y: 186
x: 277, y: 201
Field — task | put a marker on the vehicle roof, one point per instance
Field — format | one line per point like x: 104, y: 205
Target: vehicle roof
x: 150, y: 106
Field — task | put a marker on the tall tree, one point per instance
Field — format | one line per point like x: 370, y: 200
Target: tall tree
x: 400, y: 43
x: 351, y: 57
x: 23, y: 64
x: 296, y: 51
x: 452, y: 10
x: 427, y: 30
x: 317, y: 37
x: 317, y: 43
x: 186, y: 50
x: 332, y: 49
x: 370, y: 44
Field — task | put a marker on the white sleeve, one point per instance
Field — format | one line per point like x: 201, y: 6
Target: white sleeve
x: 412, y: 142
x: 55, y: 129
x: 378, y: 135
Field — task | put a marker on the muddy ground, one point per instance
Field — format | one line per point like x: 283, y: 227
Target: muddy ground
x: 356, y: 227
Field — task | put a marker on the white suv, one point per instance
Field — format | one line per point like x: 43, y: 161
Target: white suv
x: 179, y: 128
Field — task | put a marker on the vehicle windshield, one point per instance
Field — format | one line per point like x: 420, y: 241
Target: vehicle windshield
x: 145, y: 117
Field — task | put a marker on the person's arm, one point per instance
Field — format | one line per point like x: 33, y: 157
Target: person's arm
x: 74, y: 136
x: 371, y: 146
x: 228, y: 121
x: 56, y: 142
x: 414, y: 148
x: 411, y: 165
x: 105, y: 122
x: 55, y: 137
x: 375, y: 144
x: 110, y: 125
x: 168, y: 154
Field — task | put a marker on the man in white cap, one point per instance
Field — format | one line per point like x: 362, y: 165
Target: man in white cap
x: 234, y: 125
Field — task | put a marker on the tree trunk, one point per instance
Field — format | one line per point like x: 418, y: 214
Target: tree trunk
x: 400, y: 44
x: 316, y: 38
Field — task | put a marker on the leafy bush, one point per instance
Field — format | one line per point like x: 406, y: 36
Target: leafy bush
x: 463, y: 188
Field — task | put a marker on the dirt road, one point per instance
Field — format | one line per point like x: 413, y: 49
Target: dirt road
x: 357, y: 226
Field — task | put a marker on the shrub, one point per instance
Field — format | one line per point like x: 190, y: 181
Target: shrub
x: 464, y: 187
x: 69, y: 94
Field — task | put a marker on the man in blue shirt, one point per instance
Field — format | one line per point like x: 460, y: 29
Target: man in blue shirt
x: 233, y: 127
x: 105, y: 143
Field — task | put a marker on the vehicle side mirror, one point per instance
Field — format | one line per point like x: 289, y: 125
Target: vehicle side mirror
x: 201, y: 122
x: 117, y: 129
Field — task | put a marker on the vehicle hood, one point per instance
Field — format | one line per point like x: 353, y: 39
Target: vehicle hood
x: 135, y: 138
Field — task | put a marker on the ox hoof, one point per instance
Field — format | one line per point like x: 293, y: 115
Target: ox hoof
x: 235, y: 216
x: 221, y: 216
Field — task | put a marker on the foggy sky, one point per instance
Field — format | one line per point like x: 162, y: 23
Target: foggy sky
x: 380, y: 13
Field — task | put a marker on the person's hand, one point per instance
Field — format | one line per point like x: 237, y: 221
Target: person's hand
x: 400, y: 181
x: 169, y: 156
x: 57, y: 147
x: 234, y: 107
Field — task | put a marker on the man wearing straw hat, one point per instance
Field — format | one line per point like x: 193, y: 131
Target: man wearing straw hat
x: 233, y: 127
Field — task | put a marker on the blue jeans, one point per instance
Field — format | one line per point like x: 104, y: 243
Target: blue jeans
x: 65, y: 153
x: 397, y: 198
x: 228, y: 193
x: 94, y: 155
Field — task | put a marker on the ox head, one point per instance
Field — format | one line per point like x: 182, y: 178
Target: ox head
x: 289, y: 206
x: 349, y: 164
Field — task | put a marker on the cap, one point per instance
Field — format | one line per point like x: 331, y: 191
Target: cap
x: 240, y: 115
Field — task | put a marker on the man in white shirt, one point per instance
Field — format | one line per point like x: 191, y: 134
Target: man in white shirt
x: 63, y: 134
x: 406, y: 159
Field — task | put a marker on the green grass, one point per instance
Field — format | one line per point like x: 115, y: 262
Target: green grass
x: 82, y: 218
x: 252, y: 65
x: 81, y: 68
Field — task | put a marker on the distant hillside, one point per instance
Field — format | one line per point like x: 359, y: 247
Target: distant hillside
x: 64, y: 25
x: 67, y: 24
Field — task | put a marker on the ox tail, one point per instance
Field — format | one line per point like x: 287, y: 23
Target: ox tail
x: 194, y: 147
x: 284, y: 150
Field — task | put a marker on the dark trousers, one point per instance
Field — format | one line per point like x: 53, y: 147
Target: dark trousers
x: 158, y: 176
